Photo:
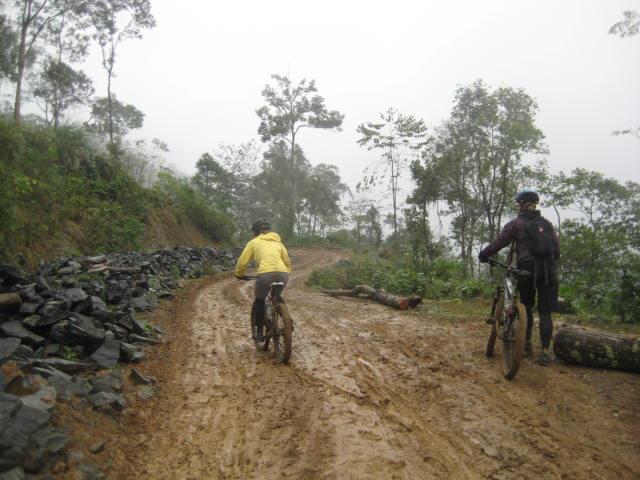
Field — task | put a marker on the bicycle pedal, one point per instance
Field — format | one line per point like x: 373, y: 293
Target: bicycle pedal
x: 489, y: 321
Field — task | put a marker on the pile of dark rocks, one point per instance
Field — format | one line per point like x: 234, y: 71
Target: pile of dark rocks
x: 63, y: 331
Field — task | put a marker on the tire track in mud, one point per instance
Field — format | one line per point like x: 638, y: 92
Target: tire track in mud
x: 374, y: 393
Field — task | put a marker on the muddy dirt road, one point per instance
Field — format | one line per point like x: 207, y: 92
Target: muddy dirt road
x: 370, y: 393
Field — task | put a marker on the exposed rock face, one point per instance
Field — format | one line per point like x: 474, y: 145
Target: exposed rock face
x: 63, y: 331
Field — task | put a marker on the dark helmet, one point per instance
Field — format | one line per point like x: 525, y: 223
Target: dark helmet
x: 527, y: 195
x: 261, y: 225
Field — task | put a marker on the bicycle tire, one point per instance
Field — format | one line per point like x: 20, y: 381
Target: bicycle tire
x: 497, y: 318
x: 513, y: 340
x: 282, y: 343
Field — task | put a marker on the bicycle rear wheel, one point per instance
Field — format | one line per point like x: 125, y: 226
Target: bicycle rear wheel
x: 513, y: 339
x: 497, y: 319
x: 282, y: 341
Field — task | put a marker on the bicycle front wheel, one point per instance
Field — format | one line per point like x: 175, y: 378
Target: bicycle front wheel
x: 513, y: 339
x: 282, y: 340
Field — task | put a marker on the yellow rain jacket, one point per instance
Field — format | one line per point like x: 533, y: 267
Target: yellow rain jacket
x: 268, y: 252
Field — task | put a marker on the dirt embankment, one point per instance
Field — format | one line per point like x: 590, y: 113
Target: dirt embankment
x: 370, y: 393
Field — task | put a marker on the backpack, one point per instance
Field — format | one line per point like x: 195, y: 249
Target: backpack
x: 539, y: 235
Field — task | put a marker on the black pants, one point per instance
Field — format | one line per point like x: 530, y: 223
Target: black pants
x: 544, y: 282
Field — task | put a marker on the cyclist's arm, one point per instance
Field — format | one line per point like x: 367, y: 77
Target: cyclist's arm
x: 243, y: 260
x: 507, y: 235
x: 285, y: 258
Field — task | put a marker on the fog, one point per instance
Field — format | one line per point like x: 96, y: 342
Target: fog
x: 198, y: 75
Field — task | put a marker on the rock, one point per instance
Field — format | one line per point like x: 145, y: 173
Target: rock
x: 118, y: 332
x: 29, y: 293
x: 86, y: 471
x: 65, y: 385
x: 28, y: 308
x: 138, y: 338
x: 91, y: 305
x: 24, y: 352
x: 140, y: 379
x: 11, y: 275
x: 130, y: 354
x: 108, y: 354
x: 43, y: 399
x: 109, y: 383
x: 75, y: 296
x: 98, y: 447
x: 42, y: 445
x: 52, y: 312
x: 78, y: 330
x: 42, y: 285
x: 145, y: 392
x: 31, y: 321
x: 140, y: 304
x: 13, y: 474
x: 103, y: 400
x: 13, y: 328
x: 53, y: 350
x: 17, y: 423
x: 138, y: 327
x: 8, y: 346
x: 66, y: 366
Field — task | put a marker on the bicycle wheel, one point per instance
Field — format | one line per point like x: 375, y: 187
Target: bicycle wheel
x: 513, y: 339
x: 282, y: 341
x: 497, y: 319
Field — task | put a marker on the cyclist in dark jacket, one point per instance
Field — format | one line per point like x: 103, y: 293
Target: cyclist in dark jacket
x: 544, y: 273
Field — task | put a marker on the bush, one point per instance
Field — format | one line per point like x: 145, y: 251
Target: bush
x: 441, y: 279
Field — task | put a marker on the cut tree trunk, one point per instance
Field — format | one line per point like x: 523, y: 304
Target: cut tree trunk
x: 380, y: 296
x: 9, y: 302
x: 597, y: 349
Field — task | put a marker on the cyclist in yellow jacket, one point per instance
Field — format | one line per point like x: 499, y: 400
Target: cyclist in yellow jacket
x: 272, y: 265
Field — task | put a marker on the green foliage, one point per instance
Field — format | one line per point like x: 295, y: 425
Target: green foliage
x: 440, y: 279
x: 53, y: 183
x: 194, y: 205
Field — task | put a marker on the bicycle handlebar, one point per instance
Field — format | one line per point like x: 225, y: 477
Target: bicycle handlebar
x: 247, y: 277
x: 515, y: 271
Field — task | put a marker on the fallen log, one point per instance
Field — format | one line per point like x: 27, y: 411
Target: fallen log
x: 379, y: 295
x: 597, y: 349
x: 9, y: 302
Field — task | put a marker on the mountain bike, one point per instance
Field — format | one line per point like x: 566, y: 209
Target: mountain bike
x: 508, y: 320
x: 277, y: 322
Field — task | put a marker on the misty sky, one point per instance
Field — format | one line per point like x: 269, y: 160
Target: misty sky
x: 198, y: 75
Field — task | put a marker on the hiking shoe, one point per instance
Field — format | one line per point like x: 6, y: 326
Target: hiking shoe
x: 528, y: 349
x: 544, y: 359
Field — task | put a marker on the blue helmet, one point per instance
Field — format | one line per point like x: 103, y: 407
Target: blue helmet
x: 527, y: 195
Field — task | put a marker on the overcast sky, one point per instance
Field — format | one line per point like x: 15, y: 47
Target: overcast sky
x: 198, y: 75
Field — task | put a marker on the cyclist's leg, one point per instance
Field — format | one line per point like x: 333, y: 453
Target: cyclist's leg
x: 261, y: 291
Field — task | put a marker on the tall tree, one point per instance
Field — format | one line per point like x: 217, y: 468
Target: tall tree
x: 628, y: 27
x: 115, y: 21
x: 111, y: 118
x: 288, y: 109
x: 399, y: 137
x: 35, y: 17
x: 61, y: 87
x: 8, y: 49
